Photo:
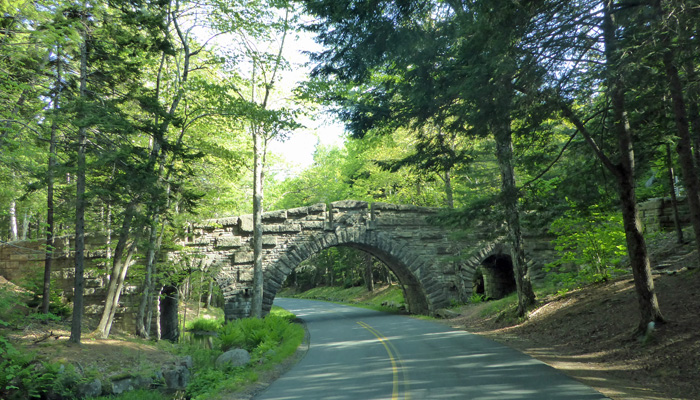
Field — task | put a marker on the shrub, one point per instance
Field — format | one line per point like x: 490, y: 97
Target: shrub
x: 591, y: 247
x: 204, y: 324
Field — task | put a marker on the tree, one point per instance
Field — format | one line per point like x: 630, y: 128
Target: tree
x: 421, y: 62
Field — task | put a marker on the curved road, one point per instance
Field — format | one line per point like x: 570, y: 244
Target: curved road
x: 361, y: 354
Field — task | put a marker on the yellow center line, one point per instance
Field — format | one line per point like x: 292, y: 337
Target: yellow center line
x: 395, y: 361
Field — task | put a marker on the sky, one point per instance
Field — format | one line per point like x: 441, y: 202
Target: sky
x: 326, y: 130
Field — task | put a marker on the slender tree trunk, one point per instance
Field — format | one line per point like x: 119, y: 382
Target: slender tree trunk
x: 141, y: 328
x: 636, y: 245
x: 120, y: 286
x: 684, y: 146
x: 14, y: 232
x: 369, y: 277
x: 509, y: 193
x: 257, y: 300
x: 209, y: 293
x: 25, y: 226
x: 118, y: 266
x: 448, y: 189
x: 80, y: 210
x: 674, y: 200
x: 48, y: 259
x: 108, y: 228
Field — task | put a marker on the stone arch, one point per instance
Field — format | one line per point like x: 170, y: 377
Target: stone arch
x: 498, y: 276
x: 422, y: 293
x: 489, y: 272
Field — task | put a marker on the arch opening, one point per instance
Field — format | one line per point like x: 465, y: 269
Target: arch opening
x: 497, y: 277
x: 416, y: 299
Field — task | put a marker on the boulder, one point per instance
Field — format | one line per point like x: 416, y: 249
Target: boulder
x: 235, y: 358
x: 176, y: 378
x: 90, y: 389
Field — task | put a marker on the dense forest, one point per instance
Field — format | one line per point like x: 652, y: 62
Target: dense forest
x: 134, y: 119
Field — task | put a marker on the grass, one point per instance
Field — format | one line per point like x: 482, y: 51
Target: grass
x: 386, y: 298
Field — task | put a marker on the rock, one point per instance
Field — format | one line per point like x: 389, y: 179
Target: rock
x: 90, y: 389
x: 122, y: 385
x: 235, y: 358
x: 176, y: 377
x: 186, y: 361
x: 446, y: 314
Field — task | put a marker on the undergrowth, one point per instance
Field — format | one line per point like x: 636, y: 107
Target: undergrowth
x: 388, y: 298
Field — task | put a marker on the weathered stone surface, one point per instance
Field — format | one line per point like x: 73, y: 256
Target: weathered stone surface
x: 243, y: 256
x: 90, y: 389
x: 274, y: 216
x: 177, y: 377
x: 235, y: 358
x: 282, y: 228
x: 269, y: 241
x: 349, y: 204
x: 317, y: 208
x: 298, y: 212
x: 245, y: 223
x: 228, y: 242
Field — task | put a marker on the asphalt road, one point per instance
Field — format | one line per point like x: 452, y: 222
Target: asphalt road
x: 368, y: 355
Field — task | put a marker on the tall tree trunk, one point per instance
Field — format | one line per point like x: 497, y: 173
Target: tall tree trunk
x: 48, y: 259
x: 25, y: 225
x: 674, y: 200
x: 369, y: 277
x: 14, y: 232
x: 118, y: 266
x: 142, y: 329
x: 684, y: 148
x: 256, y: 301
x: 509, y: 197
x: 120, y: 285
x: 80, y: 209
x: 209, y: 293
x: 636, y: 245
x: 448, y: 189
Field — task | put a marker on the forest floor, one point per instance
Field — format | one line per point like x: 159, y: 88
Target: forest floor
x: 589, y: 333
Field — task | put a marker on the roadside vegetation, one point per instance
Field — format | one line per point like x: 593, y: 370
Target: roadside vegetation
x: 37, y: 361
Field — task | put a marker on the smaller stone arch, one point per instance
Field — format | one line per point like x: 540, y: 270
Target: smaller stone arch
x: 498, y: 278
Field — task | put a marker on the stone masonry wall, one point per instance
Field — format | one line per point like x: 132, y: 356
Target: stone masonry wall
x: 657, y: 214
x: 434, y: 268
x: 22, y: 262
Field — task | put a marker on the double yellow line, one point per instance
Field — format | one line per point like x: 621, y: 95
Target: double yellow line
x: 396, y: 363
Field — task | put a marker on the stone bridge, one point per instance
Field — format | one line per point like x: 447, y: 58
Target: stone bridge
x: 433, y: 268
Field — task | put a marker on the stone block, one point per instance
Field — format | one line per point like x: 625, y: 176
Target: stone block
x: 229, y: 221
x: 274, y: 216
x: 282, y: 228
x: 317, y: 208
x: 228, y: 242
x: 312, y: 224
x: 350, y: 205
x: 269, y: 241
x: 298, y: 212
x: 245, y: 223
x: 243, y: 257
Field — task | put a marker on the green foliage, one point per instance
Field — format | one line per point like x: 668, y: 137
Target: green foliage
x: 256, y: 335
x: 376, y: 300
x: 591, y: 247
x: 269, y: 340
x: 204, y: 324
x: 476, y: 298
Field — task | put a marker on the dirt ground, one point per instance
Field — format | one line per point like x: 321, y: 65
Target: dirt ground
x: 588, y: 333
